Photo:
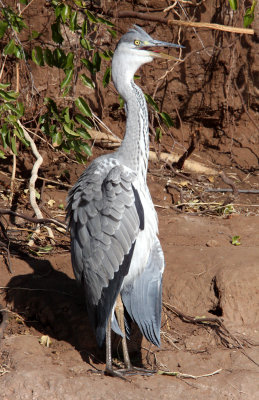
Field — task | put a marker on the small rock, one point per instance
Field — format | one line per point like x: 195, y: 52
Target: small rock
x: 212, y: 243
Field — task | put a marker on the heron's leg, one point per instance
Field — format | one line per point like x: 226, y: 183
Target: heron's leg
x: 108, y: 346
x: 129, y: 369
x: 120, y: 317
x: 109, y: 369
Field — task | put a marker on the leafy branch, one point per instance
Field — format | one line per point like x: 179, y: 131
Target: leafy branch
x: 249, y: 14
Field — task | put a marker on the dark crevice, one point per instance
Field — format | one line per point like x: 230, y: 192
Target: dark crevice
x: 216, y: 309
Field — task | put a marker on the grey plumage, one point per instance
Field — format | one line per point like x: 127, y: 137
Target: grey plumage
x: 99, y: 238
x: 112, y: 220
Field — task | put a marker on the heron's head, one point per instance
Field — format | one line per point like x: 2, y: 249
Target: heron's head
x: 136, y: 48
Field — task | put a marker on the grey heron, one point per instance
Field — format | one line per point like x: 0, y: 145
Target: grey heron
x: 115, y: 251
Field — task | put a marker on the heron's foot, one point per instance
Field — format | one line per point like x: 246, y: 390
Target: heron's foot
x: 139, y: 371
x: 121, y: 373
x: 118, y: 373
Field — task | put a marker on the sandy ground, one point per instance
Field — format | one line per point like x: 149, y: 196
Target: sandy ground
x: 205, y: 276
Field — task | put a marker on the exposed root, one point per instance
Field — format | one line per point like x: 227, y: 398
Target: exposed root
x: 216, y: 324
x: 34, y: 176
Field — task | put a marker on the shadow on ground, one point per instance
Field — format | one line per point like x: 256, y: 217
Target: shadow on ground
x: 53, y: 304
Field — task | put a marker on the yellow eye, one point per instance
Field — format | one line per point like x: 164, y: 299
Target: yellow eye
x: 136, y: 42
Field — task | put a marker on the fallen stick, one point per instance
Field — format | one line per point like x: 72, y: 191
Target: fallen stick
x: 208, y: 25
x: 223, y: 190
x: 189, y: 165
x: 156, y: 18
x: 181, y: 375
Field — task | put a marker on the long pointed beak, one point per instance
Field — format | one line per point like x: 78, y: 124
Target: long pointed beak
x: 158, y: 54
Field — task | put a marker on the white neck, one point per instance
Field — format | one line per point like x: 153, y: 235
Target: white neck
x: 134, y: 149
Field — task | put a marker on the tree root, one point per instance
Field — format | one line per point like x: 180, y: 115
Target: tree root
x: 34, y: 176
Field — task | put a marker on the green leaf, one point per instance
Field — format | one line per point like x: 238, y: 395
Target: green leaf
x: 48, y: 58
x: 4, y: 85
x: 80, y: 158
x: 20, y: 108
x: 83, y: 107
x: 18, y: 52
x: 3, y: 27
x: 37, y: 195
x: 5, y: 133
x: 57, y: 139
x: 248, y: 19
x: 58, y: 8
x: 113, y: 33
x: 66, y: 91
x: 88, y: 65
x: 12, y: 108
x: 233, y: 4
x: 70, y: 61
x: 13, y: 145
x: 87, y: 81
x: 107, y: 77
x: 37, y: 56
x: 97, y: 61
x: 104, y: 21
x: 9, y: 96
x: 121, y: 102
x: 56, y: 35
x: 167, y: 119
x: 83, y: 133
x: 106, y: 55
x: 11, y: 118
x: 90, y: 16
x: 86, y: 149
x: 52, y: 107
x: 65, y: 113
x: 84, y: 29
x: 2, y: 155
x: 35, y: 34
x: 249, y: 15
x: 69, y: 131
x: 84, y: 121
x: 86, y: 44
x: 19, y: 133
x: 65, y: 12
x: 235, y: 241
x: 73, y: 21
x: 9, y: 48
x: 79, y: 3
x: 158, y: 135
x: 59, y: 58
x: 67, y: 79
x: 151, y: 102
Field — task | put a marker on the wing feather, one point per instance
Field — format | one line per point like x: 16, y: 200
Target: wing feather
x: 104, y: 223
x: 143, y: 297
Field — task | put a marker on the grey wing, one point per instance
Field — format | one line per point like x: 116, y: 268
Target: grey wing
x: 143, y: 297
x: 104, y: 218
